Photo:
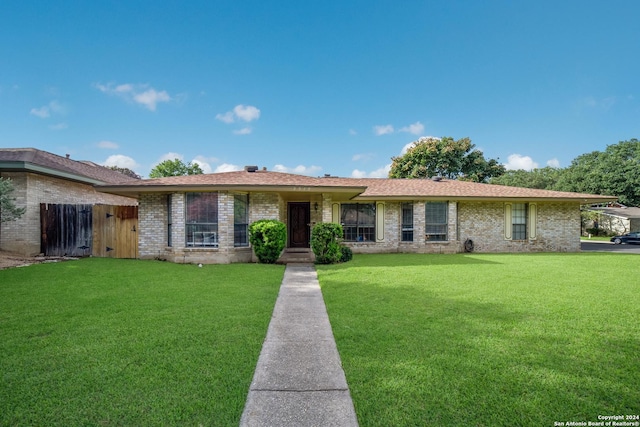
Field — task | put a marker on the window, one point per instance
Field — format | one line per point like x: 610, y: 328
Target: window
x: 241, y: 220
x: 436, y: 221
x: 407, y: 222
x: 169, y: 220
x: 201, y: 222
x: 359, y: 222
x: 519, y: 221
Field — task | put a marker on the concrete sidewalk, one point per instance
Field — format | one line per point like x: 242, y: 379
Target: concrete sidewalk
x: 299, y: 379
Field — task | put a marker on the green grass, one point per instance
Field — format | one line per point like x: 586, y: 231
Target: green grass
x: 596, y: 239
x: 108, y: 342
x: 487, y: 340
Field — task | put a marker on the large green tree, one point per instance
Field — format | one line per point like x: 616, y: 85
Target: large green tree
x: 175, y: 167
x: 446, y: 157
x: 615, y: 172
x: 8, y: 209
x: 543, y: 178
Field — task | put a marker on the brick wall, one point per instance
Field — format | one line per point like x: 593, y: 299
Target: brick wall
x: 393, y: 232
x: 23, y: 235
x: 153, y: 225
x: 557, y: 225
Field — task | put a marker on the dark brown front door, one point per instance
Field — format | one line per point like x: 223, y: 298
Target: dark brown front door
x: 299, y: 218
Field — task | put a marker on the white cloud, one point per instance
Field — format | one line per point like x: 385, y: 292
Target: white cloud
x: 412, y: 143
x: 109, y: 145
x: 205, y: 163
x: 406, y: 148
x: 602, y: 104
x: 141, y: 94
x: 42, y: 112
x: 554, y: 163
x: 382, y: 129
x: 170, y: 156
x: 300, y: 169
x: 517, y: 162
x: 382, y: 172
x: 206, y: 167
x: 151, y: 97
x: 243, y: 131
x: 227, y: 167
x: 227, y: 117
x: 363, y: 157
x: 416, y: 128
x: 121, y: 161
x: 46, y: 110
x: 59, y: 126
x: 352, y: 132
x: 246, y: 113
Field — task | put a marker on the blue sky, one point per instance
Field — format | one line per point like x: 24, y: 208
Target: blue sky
x: 317, y: 87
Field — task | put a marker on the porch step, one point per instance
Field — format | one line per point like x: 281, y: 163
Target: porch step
x: 296, y: 255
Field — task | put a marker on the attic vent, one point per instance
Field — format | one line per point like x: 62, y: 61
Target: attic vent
x: 251, y: 168
x: 436, y: 178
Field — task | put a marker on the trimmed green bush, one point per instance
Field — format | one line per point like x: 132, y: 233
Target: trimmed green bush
x: 268, y: 238
x: 325, y: 242
x: 347, y: 253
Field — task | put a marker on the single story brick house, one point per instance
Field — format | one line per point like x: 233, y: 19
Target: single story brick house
x: 204, y: 218
x: 617, y: 218
x: 42, y: 177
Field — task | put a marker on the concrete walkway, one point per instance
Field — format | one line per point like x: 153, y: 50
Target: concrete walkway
x: 299, y: 379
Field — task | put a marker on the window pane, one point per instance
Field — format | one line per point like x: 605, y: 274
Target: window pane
x: 407, y: 222
x: 519, y: 221
x: 358, y: 221
x: 367, y: 214
x: 202, y: 208
x: 201, y: 224
x: 241, y: 220
x: 169, y: 220
x: 349, y: 214
x: 436, y: 221
x: 202, y: 234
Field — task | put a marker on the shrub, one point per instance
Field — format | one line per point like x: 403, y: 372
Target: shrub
x: 325, y: 242
x: 268, y: 238
x: 347, y: 254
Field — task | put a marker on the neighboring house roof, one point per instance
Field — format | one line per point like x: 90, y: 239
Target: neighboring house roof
x: 43, y: 162
x: 626, y: 212
x: 351, y: 188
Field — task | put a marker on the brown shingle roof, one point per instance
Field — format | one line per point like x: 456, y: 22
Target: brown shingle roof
x: 359, y: 188
x: 39, y: 161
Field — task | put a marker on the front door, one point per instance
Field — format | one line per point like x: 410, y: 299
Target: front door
x: 299, y: 218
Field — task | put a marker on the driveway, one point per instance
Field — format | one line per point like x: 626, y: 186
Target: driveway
x: 597, y: 246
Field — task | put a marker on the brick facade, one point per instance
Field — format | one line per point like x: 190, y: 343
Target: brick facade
x: 23, y: 235
x: 557, y: 226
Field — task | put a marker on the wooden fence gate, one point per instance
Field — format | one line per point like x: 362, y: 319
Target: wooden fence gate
x: 82, y: 230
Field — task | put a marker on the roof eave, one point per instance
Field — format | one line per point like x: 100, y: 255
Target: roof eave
x: 17, y: 166
x: 124, y: 189
x: 581, y: 200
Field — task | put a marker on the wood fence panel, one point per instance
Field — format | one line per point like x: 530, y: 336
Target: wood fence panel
x: 126, y: 244
x: 66, y: 230
x: 115, y: 231
x: 104, y: 225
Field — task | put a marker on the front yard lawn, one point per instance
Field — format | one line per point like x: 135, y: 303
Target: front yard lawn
x: 109, y: 342
x: 487, y: 340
